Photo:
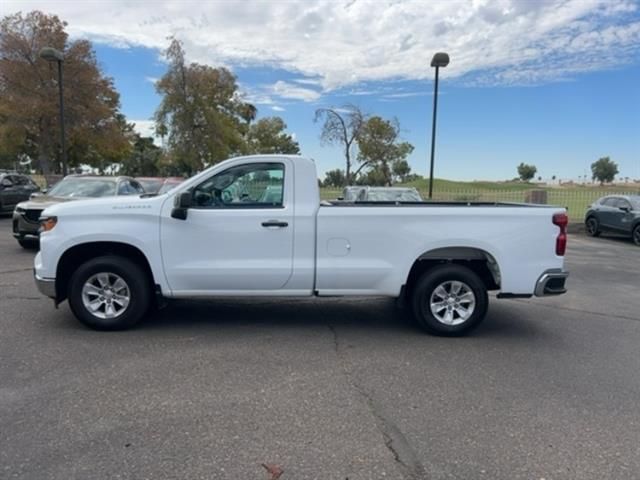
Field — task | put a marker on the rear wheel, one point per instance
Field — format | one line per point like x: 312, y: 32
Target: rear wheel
x: 449, y: 300
x: 593, y: 226
x: 636, y: 235
x: 109, y: 293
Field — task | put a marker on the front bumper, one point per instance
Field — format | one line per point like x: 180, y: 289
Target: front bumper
x: 551, y: 282
x: 24, y: 227
x: 46, y: 286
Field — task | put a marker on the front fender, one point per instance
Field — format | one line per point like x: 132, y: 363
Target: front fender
x: 135, y: 229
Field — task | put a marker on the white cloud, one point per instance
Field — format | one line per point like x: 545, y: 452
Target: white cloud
x: 295, y: 92
x: 406, y: 94
x: 277, y: 108
x: 146, y: 128
x: 151, y: 79
x: 336, y: 44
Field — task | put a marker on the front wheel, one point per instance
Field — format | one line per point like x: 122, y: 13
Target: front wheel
x: 636, y: 235
x: 449, y: 300
x: 593, y: 226
x: 109, y: 293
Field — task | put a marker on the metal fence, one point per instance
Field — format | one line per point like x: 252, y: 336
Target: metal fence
x: 576, y: 200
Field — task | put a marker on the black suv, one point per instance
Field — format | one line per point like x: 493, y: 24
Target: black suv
x: 615, y: 213
x: 15, y: 188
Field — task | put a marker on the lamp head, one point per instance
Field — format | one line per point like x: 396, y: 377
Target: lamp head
x: 50, y: 54
x: 440, y: 59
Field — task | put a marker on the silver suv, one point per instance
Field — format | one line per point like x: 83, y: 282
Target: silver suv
x: 26, y: 216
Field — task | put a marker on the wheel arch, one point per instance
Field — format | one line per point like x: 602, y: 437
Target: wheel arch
x: 76, y: 255
x: 591, y: 214
x: 481, y: 262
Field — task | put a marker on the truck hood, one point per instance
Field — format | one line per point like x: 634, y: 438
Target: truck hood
x: 40, y: 202
x: 127, y: 204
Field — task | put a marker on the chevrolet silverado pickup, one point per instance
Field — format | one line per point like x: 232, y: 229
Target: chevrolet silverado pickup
x: 255, y: 226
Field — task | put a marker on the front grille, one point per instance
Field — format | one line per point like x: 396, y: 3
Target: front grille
x: 32, y: 216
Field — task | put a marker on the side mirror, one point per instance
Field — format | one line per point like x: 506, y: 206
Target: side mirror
x: 625, y: 209
x: 181, y: 205
x: 184, y: 200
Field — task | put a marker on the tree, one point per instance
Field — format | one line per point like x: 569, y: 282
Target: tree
x: 604, y: 170
x: 380, y: 147
x: 267, y: 135
x: 341, y: 127
x: 413, y: 177
x: 29, y: 115
x: 144, y: 160
x: 526, y: 172
x: 205, y: 119
x: 401, y: 170
x: 334, y: 178
x: 372, y: 177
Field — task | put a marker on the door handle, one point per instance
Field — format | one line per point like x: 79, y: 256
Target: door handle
x: 274, y: 223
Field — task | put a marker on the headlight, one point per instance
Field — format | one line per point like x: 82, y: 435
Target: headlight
x: 19, y: 210
x: 47, y: 223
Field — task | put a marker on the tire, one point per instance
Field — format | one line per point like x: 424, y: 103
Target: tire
x: 472, y: 299
x: 593, y: 227
x: 635, y: 235
x: 28, y: 244
x: 96, y: 283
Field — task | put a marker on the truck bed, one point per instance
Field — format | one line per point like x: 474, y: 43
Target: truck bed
x: 343, y: 203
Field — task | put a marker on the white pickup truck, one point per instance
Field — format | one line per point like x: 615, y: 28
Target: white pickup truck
x: 255, y: 226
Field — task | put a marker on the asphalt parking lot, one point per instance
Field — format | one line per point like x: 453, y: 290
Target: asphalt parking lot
x: 327, y: 389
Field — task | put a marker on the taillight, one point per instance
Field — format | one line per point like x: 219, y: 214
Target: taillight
x: 561, y: 220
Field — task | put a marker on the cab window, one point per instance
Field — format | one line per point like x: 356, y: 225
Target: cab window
x: 257, y: 185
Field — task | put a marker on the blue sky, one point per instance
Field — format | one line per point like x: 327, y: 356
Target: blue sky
x: 555, y: 83
x: 483, y: 132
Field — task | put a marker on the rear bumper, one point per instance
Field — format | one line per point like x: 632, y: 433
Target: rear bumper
x: 551, y: 282
x: 46, y: 286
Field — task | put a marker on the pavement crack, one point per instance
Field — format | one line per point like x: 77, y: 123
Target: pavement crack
x: 17, y: 297
x: 17, y: 270
x: 394, y: 439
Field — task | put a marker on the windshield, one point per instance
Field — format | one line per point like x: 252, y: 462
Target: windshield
x: 150, y: 185
x: 168, y: 186
x: 389, y: 195
x: 84, y: 187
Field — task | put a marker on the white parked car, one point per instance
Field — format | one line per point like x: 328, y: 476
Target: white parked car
x: 113, y: 258
x: 380, y: 194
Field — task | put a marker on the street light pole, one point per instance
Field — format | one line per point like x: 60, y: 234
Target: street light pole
x: 63, y: 143
x: 53, y: 55
x: 439, y: 60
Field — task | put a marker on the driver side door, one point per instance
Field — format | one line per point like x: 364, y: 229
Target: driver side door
x: 236, y: 237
